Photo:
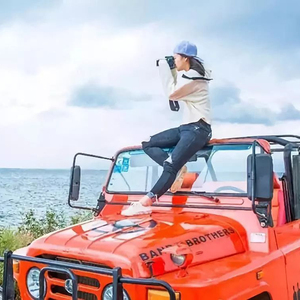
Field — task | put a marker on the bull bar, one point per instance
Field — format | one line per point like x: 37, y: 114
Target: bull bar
x: 64, y: 267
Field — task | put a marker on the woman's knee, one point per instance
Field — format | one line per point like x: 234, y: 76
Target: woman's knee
x: 169, y: 166
x: 146, y: 144
x: 175, y: 162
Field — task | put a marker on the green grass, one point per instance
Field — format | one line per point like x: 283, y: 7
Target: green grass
x: 32, y: 227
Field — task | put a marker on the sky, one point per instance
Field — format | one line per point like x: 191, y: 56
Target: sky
x: 80, y: 75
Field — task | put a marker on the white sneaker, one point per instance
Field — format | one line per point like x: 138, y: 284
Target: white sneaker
x: 136, y: 208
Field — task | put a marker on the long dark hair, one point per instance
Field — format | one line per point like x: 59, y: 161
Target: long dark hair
x: 196, y: 65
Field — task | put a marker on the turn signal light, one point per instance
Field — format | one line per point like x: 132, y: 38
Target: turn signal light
x: 16, y: 266
x: 161, y: 295
x: 259, y: 275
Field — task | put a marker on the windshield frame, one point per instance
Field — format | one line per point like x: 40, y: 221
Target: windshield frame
x: 179, y: 193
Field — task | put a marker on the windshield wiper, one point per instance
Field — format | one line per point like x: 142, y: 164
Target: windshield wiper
x: 126, y: 182
x: 202, y: 194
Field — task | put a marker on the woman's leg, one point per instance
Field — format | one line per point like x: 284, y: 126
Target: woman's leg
x: 153, y: 147
x: 193, y: 138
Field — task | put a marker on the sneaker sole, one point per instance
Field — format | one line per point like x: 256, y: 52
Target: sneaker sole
x: 137, y: 214
x: 179, y: 180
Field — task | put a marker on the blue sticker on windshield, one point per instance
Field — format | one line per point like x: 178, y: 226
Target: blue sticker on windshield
x: 125, y: 164
x: 125, y: 168
x: 117, y: 169
x: 118, y: 166
x: 125, y: 161
x: 122, y: 165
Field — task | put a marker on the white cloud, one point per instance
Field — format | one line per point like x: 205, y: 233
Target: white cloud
x: 43, y: 62
x: 51, y: 139
x: 41, y: 66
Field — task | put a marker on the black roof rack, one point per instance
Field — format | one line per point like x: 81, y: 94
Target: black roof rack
x: 281, y: 139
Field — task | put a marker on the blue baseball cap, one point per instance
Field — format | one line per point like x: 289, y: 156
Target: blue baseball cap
x: 188, y: 49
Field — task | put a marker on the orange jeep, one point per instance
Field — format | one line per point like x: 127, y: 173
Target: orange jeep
x: 232, y: 231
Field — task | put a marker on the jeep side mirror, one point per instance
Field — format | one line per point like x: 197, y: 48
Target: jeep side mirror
x: 260, y: 172
x: 75, y: 183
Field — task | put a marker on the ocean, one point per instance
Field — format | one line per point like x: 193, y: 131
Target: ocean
x: 41, y: 189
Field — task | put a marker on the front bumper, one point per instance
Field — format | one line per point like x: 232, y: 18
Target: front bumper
x: 87, y: 281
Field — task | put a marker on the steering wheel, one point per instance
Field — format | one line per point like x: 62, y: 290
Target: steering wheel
x: 228, y: 187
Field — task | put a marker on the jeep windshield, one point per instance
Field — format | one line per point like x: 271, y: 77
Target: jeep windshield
x: 216, y: 169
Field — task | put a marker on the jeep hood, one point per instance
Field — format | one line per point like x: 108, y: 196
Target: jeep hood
x: 129, y: 243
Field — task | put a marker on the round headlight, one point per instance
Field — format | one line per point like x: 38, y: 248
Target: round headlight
x: 33, y: 284
x: 178, y: 260
x: 108, y: 293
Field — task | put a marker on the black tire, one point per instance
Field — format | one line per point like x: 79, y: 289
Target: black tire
x: 263, y: 296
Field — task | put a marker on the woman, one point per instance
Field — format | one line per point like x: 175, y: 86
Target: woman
x: 188, y: 138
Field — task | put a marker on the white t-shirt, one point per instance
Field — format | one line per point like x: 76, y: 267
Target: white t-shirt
x: 193, y: 92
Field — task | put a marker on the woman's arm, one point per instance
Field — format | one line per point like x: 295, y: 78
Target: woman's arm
x: 169, y: 82
x: 168, y: 77
x: 186, y: 90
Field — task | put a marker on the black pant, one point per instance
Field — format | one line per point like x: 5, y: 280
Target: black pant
x: 187, y: 139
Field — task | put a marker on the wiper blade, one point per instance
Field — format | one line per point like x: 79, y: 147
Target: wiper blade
x: 202, y: 194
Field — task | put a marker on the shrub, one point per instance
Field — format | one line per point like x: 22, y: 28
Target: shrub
x: 32, y: 227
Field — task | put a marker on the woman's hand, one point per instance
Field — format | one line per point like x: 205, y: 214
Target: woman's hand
x: 171, y: 62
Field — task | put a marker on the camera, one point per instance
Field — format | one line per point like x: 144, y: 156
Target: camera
x: 170, y: 60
